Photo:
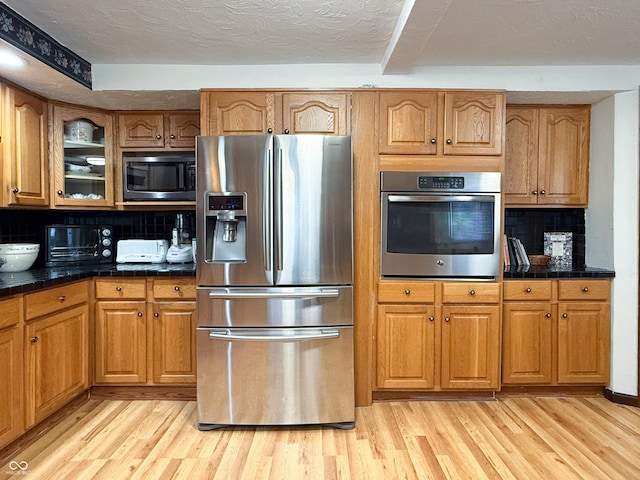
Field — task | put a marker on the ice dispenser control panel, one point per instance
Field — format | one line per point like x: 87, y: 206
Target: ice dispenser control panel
x: 232, y: 203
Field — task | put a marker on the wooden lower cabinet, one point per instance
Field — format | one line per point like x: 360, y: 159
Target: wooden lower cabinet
x: 173, y: 337
x: 120, y: 352
x: 56, y: 361
x: 556, y: 332
x: 11, y: 370
x: 442, y: 337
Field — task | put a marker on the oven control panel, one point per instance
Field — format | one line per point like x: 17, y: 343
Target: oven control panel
x: 448, y: 183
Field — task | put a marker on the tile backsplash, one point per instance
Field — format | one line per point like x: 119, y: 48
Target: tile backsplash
x: 28, y: 226
x: 530, y: 224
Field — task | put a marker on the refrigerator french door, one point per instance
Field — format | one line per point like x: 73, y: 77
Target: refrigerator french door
x: 274, y: 274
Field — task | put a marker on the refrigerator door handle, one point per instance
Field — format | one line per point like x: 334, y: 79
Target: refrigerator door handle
x: 278, y: 208
x: 321, y: 293
x: 267, y: 216
x: 260, y: 335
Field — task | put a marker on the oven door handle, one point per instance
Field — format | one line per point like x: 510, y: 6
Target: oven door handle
x: 441, y: 198
x: 260, y: 335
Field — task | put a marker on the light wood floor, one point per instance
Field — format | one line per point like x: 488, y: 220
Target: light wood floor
x: 512, y: 438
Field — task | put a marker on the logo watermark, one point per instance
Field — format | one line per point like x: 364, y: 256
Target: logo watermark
x: 18, y: 468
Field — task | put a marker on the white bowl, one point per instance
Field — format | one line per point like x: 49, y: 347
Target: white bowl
x: 17, y: 257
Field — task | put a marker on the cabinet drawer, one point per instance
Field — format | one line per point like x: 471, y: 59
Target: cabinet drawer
x: 121, y: 288
x: 174, y: 289
x: 526, y: 290
x: 10, y: 309
x: 406, y: 292
x: 54, y: 299
x: 584, y: 289
x: 464, y: 292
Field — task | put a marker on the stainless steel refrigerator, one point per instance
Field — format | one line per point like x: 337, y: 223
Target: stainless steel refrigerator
x: 274, y: 273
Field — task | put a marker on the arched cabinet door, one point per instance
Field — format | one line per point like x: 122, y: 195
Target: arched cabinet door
x: 320, y: 113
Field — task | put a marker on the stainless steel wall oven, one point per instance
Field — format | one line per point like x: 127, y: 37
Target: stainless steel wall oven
x: 440, y: 225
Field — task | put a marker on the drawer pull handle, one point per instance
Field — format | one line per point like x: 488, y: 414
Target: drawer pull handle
x: 527, y: 290
x: 472, y: 292
x: 34, y: 339
x: 118, y: 288
x: 139, y: 314
x: 431, y: 318
x: 62, y: 298
x: 176, y: 288
x: 156, y: 314
x: 548, y: 315
x: 585, y: 289
x: 447, y: 319
x: 564, y: 315
x: 407, y: 292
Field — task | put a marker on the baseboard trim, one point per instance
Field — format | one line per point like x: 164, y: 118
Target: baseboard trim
x: 143, y: 392
x: 621, y: 398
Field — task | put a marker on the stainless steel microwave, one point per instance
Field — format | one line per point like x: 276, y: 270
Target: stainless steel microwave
x: 158, y: 176
x: 440, y: 225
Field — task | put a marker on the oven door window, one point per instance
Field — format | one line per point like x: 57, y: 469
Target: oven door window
x: 441, y: 225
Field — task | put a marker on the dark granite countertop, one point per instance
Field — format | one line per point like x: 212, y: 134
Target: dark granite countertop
x: 557, y: 272
x: 36, y: 279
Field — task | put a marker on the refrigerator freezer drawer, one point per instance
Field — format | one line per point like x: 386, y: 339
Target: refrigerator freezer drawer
x: 275, y: 376
x: 275, y: 306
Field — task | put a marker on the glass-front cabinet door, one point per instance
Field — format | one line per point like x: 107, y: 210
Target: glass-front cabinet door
x: 83, y: 158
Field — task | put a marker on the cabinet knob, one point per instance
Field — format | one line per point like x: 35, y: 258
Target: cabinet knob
x: 286, y: 131
x: 431, y: 318
x: 447, y: 319
x: 158, y: 137
x: 585, y: 289
x: 472, y: 292
x: 449, y: 142
x: 15, y: 190
x: 62, y: 298
x: 59, y: 192
x: 542, y: 192
x: 156, y: 314
x: 118, y: 288
x: 139, y: 314
x: 176, y: 288
x: 548, y: 315
x: 433, y: 141
x: 34, y: 339
x: 564, y: 315
x: 535, y: 192
x: 527, y: 290
x: 407, y: 292
x: 269, y: 130
x: 172, y: 136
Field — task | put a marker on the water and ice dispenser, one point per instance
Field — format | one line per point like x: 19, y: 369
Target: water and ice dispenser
x: 226, y: 227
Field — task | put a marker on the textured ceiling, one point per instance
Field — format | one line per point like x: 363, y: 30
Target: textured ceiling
x: 397, y: 35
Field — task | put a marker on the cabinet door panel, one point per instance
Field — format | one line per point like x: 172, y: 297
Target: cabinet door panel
x: 11, y: 379
x: 470, y: 346
x: 408, y: 123
x: 583, y: 342
x: 239, y: 113
x: 141, y: 130
x: 321, y: 113
x: 120, y: 342
x: 406, y: 346
x: 564, y: 153
x: 56, y: 352
x: 174, y: 341
x: 527, y: 342
x: 183, y: 129
x: 473, y: 123
x: 521, y: 156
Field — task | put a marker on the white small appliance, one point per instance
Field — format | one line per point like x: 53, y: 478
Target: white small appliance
x: 142, y: 251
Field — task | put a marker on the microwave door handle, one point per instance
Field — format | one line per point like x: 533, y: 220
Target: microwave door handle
x: 181, y: 177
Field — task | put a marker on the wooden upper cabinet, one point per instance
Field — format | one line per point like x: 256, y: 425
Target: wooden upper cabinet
x: 547, y: 155
x: 158, y: 129
x: 263, y: 113
x: 408, y: 122
x: 321, y: 113
x: 26, y: 169
x: 441, y: 123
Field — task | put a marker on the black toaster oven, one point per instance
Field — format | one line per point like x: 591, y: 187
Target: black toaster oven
x: 67, y: 245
